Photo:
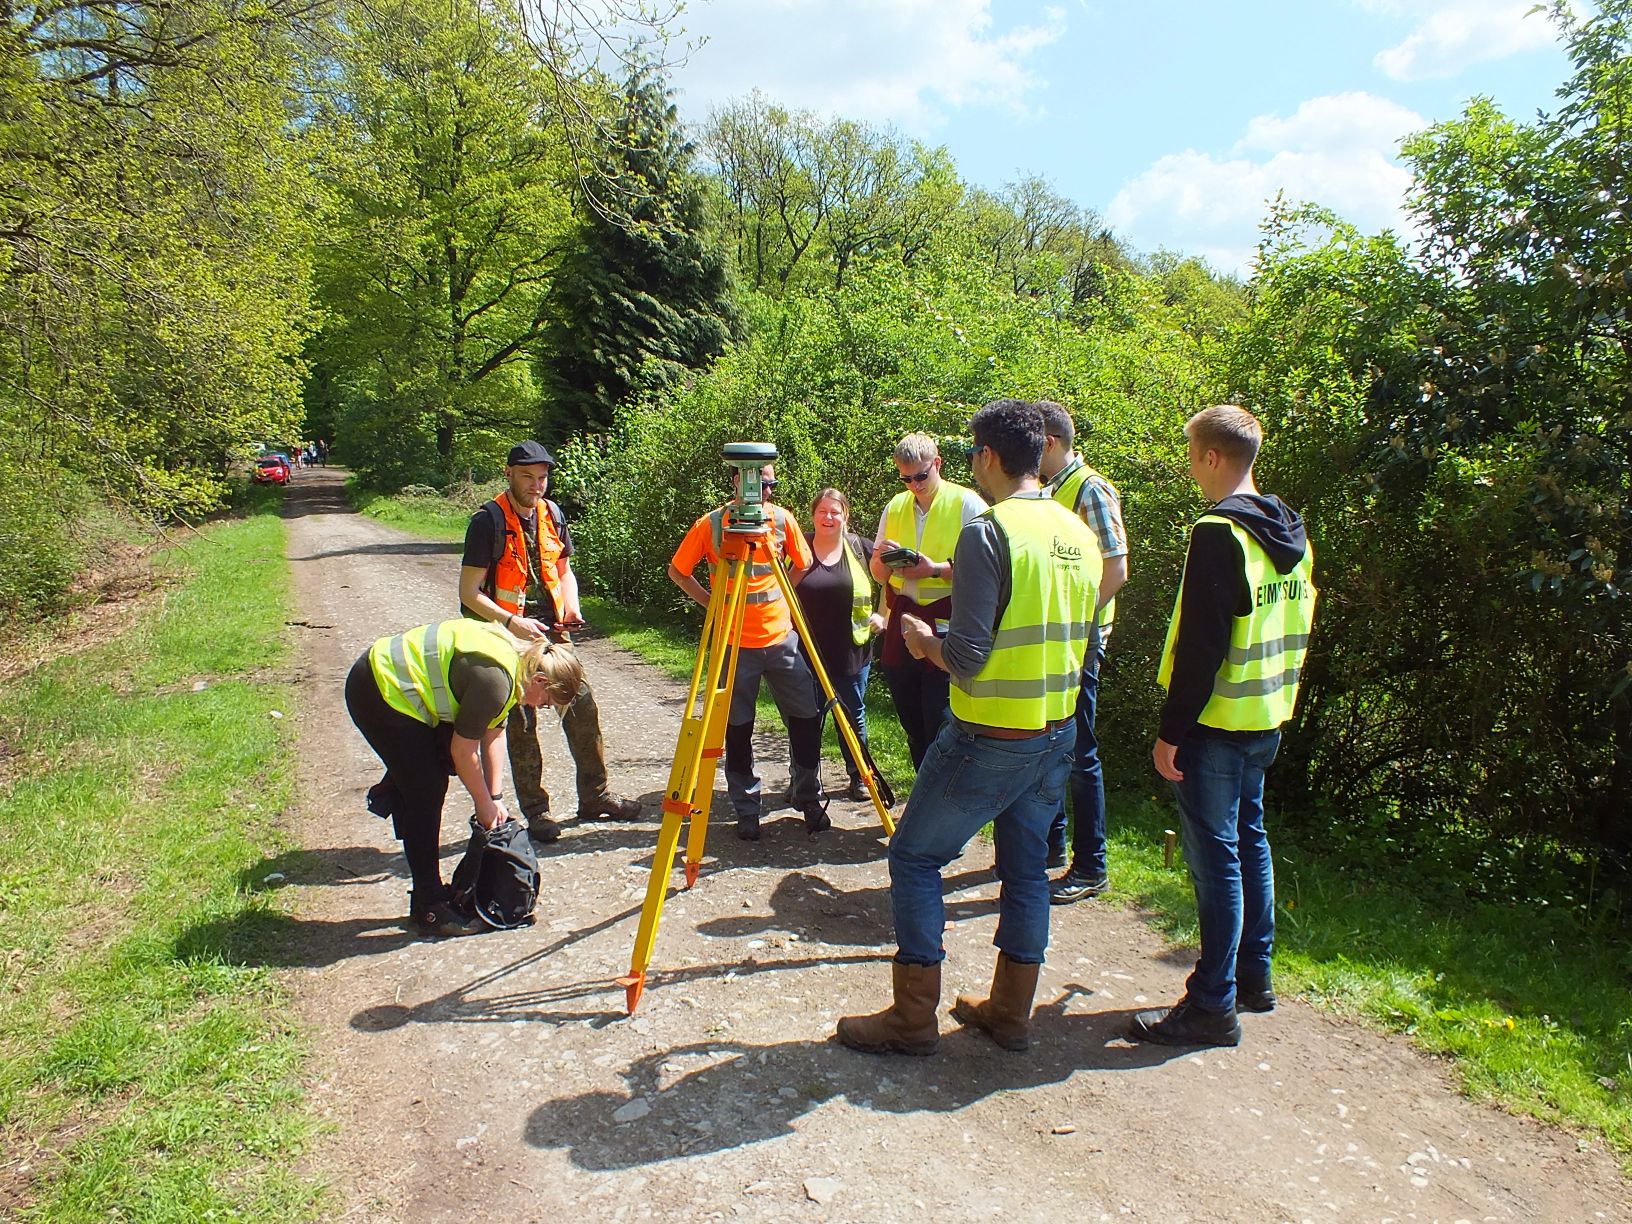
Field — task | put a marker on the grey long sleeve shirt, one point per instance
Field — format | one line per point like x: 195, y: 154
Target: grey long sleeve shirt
x: 981, y: 586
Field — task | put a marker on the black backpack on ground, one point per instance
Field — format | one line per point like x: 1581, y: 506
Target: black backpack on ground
x: 497, y: 880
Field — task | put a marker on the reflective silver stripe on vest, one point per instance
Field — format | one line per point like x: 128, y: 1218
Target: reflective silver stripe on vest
x: 1262, y: 686
x: 404, y: 678
x: 437, y: 678
x: 1036, y: 635
x: 1021, y: 690
x: 1241, y: 655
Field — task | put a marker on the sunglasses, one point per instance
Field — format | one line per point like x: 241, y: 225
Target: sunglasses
x: 768, y: 485
x: 919, y: 477
x: 969, y: 452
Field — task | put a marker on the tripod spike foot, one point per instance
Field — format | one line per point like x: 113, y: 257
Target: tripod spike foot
x: 633, y: 986
x: 691, y: 873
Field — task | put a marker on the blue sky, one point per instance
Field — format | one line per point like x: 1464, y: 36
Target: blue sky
x: 1175, y: 120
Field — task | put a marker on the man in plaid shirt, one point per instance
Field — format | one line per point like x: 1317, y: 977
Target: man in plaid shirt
x: 1082, y: 490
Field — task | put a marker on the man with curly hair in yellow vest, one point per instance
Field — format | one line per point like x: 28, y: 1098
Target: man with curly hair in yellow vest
x: 1235, y: 650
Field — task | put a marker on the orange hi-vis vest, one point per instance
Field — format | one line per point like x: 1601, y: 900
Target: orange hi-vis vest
x: 512, y: 569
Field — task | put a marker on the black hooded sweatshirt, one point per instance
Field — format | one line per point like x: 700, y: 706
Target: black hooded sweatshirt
x: 1214, y: 593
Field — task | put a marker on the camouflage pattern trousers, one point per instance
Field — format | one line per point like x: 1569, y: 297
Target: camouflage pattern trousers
x: 581, y: 721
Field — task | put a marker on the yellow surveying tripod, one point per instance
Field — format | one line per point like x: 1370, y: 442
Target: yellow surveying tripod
x: 745, y: 541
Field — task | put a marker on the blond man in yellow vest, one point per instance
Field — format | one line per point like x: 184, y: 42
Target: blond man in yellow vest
x: 1021, y: 616
x: 925, y: 518
x: 517, y: 573
x: 1235, y: 648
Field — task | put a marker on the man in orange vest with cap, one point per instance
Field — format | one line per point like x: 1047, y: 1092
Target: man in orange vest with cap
x: 517, y: 573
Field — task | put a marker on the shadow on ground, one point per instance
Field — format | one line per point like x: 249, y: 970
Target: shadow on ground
x: 715, y: 1095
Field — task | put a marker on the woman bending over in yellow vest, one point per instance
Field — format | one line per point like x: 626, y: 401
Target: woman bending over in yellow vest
x: 433, y: 701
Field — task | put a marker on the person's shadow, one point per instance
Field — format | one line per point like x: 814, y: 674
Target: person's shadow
x: 714, y: 1095
x: 804, y: 902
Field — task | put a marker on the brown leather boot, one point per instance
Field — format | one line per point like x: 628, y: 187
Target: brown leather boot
x: 1006, y: 1016
x: 908, y: 1025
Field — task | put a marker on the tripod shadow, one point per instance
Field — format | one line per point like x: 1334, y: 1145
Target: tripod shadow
x: 467, y: 1004
x: 714, y: 1095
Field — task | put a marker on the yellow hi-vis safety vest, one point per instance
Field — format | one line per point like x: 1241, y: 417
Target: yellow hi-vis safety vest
x: 1257, y: 684
x: 1066, y: 493
x: 941, y: 527
x: 1032, y: 676
x: 861, y: 590
x: 412, y: 668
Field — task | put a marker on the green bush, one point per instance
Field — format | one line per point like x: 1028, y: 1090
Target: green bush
x: 47, y: 532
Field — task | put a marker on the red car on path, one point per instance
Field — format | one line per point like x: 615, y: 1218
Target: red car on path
x: 271, y: 469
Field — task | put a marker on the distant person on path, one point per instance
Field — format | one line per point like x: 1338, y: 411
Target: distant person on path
x: 517, y: 572
x: 770, y: 649
x: 439, y: 695
x: 925, y: 517
x: 1027, y: 572
x: 836, y: 596
x: 1235, y: 649
x: 1093, y: 499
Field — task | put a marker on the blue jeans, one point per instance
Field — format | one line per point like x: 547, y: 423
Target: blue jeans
x: 1221, y: 805
x: 967, y: 780
x: 1087, y: 786
x: 851, y: 692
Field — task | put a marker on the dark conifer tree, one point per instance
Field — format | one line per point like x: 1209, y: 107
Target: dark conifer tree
x: 644, y: 293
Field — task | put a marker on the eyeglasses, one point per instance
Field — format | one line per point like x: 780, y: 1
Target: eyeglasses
x: 969, y: 452
x: 768, y: 485
x: 918, y: 477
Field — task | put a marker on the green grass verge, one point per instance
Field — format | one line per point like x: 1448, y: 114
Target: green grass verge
x: 430, y: 514
x: 145, y: 1075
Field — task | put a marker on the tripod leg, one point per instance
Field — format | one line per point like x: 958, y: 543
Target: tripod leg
x: 716, y: 711
x: 862, y: 758
x: 693, y: 747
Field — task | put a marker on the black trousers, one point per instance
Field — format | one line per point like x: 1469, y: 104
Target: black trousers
x: 923, y: 701
x: 417, y: 759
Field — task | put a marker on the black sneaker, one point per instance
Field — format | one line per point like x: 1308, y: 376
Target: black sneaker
x: 748, y: 828
x: 1185, y: 1024
x: 542, y: 829
x: 1076, y: 886
x: 1255, y: 996
x: 816, y: 819
x: 442, y: 919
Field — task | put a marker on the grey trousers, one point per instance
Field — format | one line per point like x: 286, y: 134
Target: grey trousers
x: 785, y: 670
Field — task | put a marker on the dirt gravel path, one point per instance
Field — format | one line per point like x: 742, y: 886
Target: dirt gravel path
x: 496, y: 1077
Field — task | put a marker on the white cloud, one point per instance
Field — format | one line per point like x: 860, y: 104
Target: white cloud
x: 1448, y: 35
x: 905, y: 62
x: 1337, y: 151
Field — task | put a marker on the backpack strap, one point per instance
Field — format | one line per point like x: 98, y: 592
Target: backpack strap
x: 495, y: 516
